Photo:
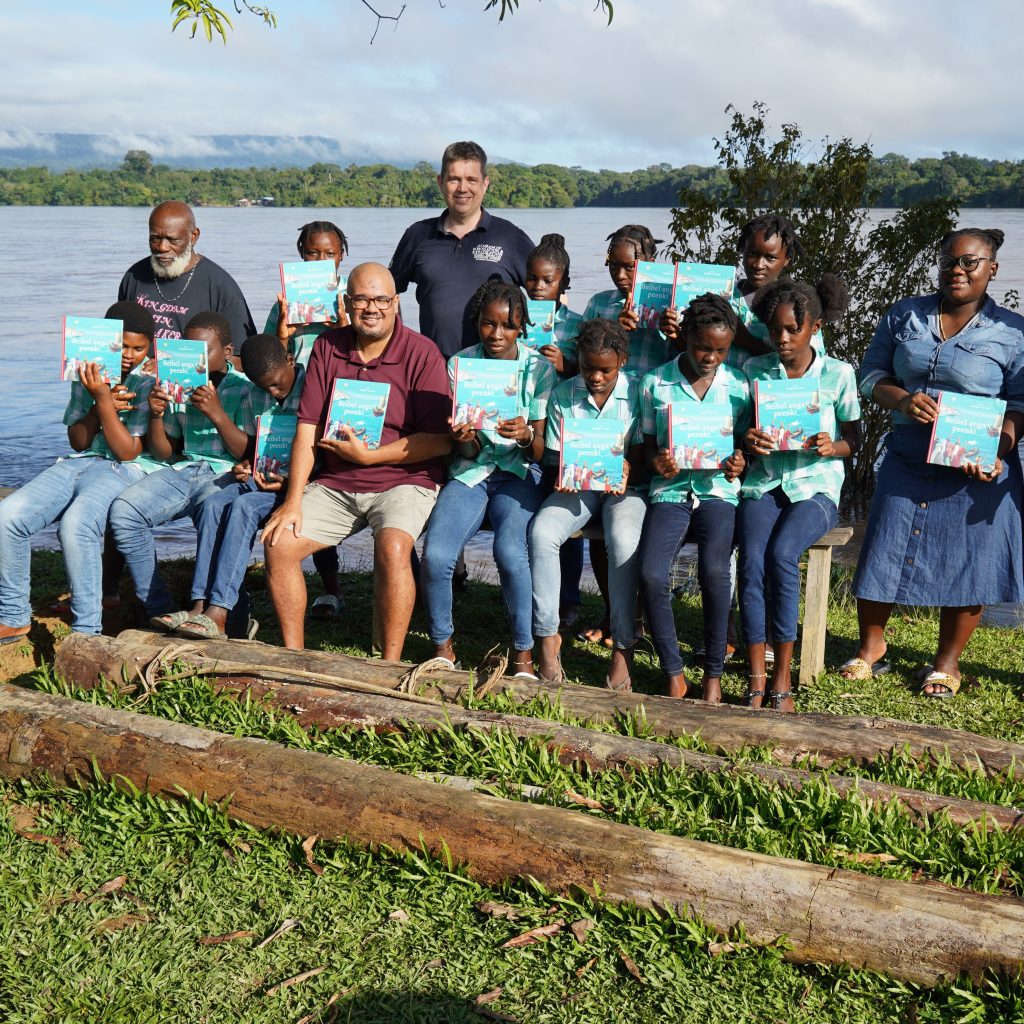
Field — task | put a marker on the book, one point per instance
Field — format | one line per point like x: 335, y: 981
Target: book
x: 357, y: 406
x: 181, y: 367
x: 693, y: 279
x: 592, y: 454
x: 541, y: 330
x: 87, y: 339
x: 699, y: 434
x: 966, y: 429
x: 789, y: 411
x: 275, y: 433
x: 311, y: 290
x: 485, y: 392
x: 651, y: 292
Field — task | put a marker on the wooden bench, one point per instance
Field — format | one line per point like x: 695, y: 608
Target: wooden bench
x: 819, y: 575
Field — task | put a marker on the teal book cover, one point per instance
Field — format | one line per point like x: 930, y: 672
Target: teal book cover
x: 485, y: 392
x: 651, y: 292
x: 312, y: 290
x: 789, y: 411
x: 87, y: 339
x: 357, y: 407
x: 592, y: 454
x: 275, y: 432
x: 699, y: 434
x: 541, y: 329
x: 693, y: 279
x: 966, y: 429
x: 181, y: 367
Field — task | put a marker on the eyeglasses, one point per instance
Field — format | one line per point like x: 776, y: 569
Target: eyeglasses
x: 966, y: 262
x: 365, y: 301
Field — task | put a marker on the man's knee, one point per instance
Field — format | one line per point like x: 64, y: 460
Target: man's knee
x: 392, y: 550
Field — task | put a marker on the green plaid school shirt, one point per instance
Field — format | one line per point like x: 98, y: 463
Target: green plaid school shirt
x: 648, y: 347
x: 802, y: 474
x: 136, y: 420
x: 738, y: 357
x: 202, y: 440
x: 536, y: 379
x: 259, y: 402
x: 572, y: 400
x: 567, y: 326
x: 666, y: 386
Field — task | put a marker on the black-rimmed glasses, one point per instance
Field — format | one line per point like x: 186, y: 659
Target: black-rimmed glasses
x: 365, y: 301
x: 966, y: 262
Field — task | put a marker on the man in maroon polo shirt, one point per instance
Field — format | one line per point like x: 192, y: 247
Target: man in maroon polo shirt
x: 391, y: 489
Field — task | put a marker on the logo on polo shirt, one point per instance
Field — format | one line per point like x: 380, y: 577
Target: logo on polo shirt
x: 489, y: 253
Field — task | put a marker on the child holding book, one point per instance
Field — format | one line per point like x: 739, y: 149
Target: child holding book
x: 493, y: 474
x: 207, y: 435
x: 600, y: 391
x: 229, y: 519
x: 699, y: 503
x: 790, y: 498
x: 106, y: 428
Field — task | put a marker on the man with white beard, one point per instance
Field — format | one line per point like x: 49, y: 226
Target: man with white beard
x: 175, y: 282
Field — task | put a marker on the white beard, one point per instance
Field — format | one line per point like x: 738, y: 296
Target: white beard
x: 175, y: 268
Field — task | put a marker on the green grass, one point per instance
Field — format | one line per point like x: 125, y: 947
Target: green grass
x: 192, y: 872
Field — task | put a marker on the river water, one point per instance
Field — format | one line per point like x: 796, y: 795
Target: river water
x: 69, y: 260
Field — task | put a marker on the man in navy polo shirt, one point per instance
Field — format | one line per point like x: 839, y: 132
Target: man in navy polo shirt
x: 450, y: 256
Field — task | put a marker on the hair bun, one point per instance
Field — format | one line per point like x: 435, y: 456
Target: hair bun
x: 553, y: 239
x: 834, y: 296
x: 998, y: 236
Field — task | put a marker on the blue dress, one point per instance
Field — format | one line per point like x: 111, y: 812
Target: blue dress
x: 935, y: 536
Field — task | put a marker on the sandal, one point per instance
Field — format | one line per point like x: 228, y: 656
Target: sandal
x: 169, y: 621
x: 748, y: 697
x: 439, y: 662
x: 202, y: 626
x: 596, y: 635
x: 16, y: 637
x: 776, y: 697
x: 524, y: 669
x: 856, y: 670
x: 326, y: 606
x: 950, y: 685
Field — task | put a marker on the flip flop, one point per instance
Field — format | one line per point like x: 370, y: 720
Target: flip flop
x: 950, y: 685
x: 16, y: 638
x: 202, y: 626
x: 857, y: 670
x: 169, y: 621
x: 326, y: 606
x: 622, y: 686
x: 441, y: 663
x: 596, y: 635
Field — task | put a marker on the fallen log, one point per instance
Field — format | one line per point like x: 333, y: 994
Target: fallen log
x: 332, y: 709
x: 922, y: 932
x: 725, y: 728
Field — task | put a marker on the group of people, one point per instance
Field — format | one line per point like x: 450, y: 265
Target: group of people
x: 937, y: 535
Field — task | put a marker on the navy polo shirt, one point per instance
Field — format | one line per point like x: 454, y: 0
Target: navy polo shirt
x: 448, y: 270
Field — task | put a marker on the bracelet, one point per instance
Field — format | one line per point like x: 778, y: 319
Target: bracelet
x: 529, y: 440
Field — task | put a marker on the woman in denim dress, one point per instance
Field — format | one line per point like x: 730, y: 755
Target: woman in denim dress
x: 939, y: 535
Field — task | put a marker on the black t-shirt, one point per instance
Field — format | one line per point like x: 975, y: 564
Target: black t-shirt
x: 448, y: 270
x: 206, y: 287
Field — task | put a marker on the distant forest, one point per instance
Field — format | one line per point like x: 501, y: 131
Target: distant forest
x: 894, y: 181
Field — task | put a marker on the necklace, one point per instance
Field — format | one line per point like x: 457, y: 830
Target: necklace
x: 184, y: 287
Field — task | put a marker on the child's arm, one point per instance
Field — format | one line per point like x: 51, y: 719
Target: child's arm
x: 160, y: 445
x: 827, y: 448
x: 527, y: 436
x: 206, y: 401
x: 123, y: 445
x: 660, y: 461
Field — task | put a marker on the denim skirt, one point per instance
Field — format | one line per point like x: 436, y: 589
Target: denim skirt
x: 937, y: 537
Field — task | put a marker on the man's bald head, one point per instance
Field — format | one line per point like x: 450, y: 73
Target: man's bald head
x: 370, y: 286
x: 172, y: 237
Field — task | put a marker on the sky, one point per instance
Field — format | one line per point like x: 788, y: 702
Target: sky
x: 551, y: 84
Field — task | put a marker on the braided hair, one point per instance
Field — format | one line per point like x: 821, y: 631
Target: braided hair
x: 552, y: 248
x: 769, y: 225
x: 497, y: 289
x: 992, y: 237
x: 708, y: 310
x: 644, y: 244
x: 321, y: 227
x: 827, y: 300
x: 603, y: 336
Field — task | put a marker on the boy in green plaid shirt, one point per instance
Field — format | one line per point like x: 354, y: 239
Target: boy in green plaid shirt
x: 106, y: 427
x: 207, y: 434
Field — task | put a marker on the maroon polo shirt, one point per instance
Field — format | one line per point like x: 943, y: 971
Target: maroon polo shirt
x: 419, y: 402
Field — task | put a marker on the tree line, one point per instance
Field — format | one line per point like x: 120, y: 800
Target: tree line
x: 891, y: 181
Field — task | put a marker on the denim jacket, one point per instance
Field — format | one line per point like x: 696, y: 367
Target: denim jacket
x: 986, y: 358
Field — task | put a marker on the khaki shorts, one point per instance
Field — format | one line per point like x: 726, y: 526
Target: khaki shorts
x: 330, y: 516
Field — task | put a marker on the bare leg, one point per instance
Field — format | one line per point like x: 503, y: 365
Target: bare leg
x: 782, y: 681
x: 956, y: 627
x: 756, y: 679
x: 287, y: 585
x: 711, y: 690
x: 872, y: 618
x: 394, y: 589
x: 548, y: 666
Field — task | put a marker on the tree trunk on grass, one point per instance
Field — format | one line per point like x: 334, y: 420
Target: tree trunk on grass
x: 725, y: 728
x: 920, y: 932
x: 333, y: 709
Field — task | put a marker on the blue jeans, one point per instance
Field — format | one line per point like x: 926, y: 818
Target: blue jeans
x: 509, y: 502
x: 773, y: 533
x: 78, y: 492
x: 159, y: 498
x: 226, y: 525
x: 711, y: 526
x: 559, y: 518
